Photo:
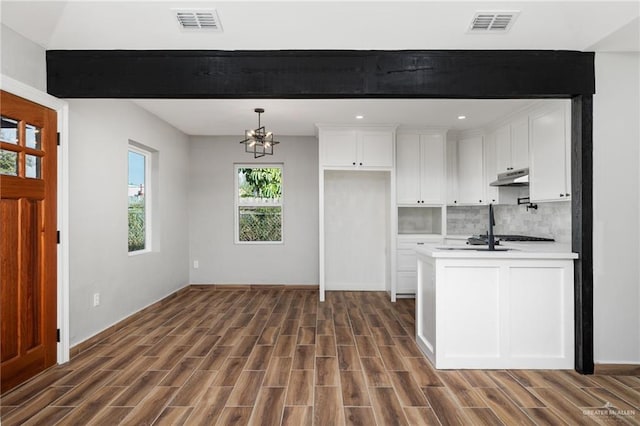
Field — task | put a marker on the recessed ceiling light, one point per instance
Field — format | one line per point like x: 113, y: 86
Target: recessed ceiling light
x: 462, y: 117
x: 359, y: 117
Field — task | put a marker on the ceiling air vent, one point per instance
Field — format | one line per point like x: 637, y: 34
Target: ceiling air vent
x: 198, y: 20
x: 493, y: 21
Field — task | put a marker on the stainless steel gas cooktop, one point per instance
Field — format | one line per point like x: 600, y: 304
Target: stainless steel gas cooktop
x: 483, y: 239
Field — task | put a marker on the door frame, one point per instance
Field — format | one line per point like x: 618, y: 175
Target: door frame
x: 61, y: 107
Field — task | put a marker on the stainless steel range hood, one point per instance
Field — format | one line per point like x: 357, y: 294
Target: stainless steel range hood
x: 518, y: 177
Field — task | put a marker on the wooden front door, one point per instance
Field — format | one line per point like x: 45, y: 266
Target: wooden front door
x: 28, y: 286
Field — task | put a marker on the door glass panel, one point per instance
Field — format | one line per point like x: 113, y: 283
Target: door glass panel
x: 8, y: 130
x: 32, y: 135
x: 34, y: 165
x: 8, y: 163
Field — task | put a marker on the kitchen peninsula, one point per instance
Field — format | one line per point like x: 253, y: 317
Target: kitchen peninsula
x: 482, y: 309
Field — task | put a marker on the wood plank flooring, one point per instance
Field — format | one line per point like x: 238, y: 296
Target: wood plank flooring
x: 280, y: 357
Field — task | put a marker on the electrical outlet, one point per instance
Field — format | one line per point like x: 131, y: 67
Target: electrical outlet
x: 196, y: 264
x: 96, y: 299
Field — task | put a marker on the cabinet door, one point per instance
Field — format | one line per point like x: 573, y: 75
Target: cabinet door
x: 432, y: 180
x: 376, y: 149
x: 452, y: 172
x: 470, y: 171
x: 567, y: 151
x: 548, y: 151
x: 502, y: 138
x: 490, y: 168
x: 408, y: 169
x: 406, y: 283
x: 338, y: 147
x: 520, y: 144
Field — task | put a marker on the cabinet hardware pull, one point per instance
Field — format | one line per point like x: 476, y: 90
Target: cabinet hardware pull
x: 562, y: 195
x: 420, y: 244
x: 354, y: 163
x: 361, y: 164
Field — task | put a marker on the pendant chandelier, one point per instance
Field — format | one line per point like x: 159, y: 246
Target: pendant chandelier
x: 259, y: 141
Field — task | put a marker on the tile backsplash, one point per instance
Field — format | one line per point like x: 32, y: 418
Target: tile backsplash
x: 549, y: 220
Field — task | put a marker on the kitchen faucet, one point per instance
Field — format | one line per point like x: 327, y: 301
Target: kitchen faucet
x: 492, y: 222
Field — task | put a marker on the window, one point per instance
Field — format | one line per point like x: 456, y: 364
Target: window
x: 139, y: 207
x: 258, y: 203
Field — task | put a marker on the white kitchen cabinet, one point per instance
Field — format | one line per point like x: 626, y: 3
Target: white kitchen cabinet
x: 512, y: 146
x: 452, y: 172
x: 550, y: 171
x: 407, y: 264
x: 375, y: 148
x: 520, y: 144
x: 355, y: 148
x: 420, y: 169
x: 339, y: 147
x: 470, y: 172
x: 495, y: 312
x: 495, y: 194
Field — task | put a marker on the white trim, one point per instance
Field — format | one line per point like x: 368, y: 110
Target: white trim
x: 236, y: 203
x: 32, y: 94
x: 321, y: 245
x: 147, y: 153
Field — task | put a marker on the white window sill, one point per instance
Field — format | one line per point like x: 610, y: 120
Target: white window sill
x: 260, y: 243
x: 139, y: 252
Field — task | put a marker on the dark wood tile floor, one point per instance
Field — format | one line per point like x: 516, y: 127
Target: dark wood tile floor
x: 272, y: 357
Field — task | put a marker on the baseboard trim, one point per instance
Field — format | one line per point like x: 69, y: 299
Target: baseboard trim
x: 76, y: 350
x: 255, y: 287
x: 617, y: 369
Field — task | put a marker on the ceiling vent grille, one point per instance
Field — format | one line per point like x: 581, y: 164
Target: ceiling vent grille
x: 493, y: 21
x: 198, y: 20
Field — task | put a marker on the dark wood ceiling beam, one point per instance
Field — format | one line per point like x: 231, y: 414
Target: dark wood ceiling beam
x: 318, y: 74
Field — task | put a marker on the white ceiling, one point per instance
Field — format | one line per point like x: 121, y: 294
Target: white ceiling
x: 299, y: 117
x: 301, y: 24
x: 574, y: 25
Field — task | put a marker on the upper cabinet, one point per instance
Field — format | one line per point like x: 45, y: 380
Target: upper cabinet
x: 512, y: 146
x: 494, y: 194
x: 420, y: 168
x: 470, y: 171
x: 550, y: 139
x: 520, y: 144
x: 452, y: 172
x: 356, y: 148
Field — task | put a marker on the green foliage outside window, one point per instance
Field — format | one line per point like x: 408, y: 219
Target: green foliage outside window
x: 136, y: 226
x: 260, y: 212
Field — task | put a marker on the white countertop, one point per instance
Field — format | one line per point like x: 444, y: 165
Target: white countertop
x: 517, y: 250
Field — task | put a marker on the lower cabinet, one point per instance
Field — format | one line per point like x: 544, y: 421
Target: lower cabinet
x: 495, y: 314
x: 407, y: 264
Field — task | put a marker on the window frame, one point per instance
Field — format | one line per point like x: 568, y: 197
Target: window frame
x: 237, y: 205
x: 138, y: 149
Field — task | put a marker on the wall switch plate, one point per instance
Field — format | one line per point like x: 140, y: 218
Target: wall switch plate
x: 196, y: 264
x: 96, y: 299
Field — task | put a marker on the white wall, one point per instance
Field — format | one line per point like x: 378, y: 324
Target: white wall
x: 616, y: 155
x: 100, y: 131
x: 22, y: 59
x: 356, y: 208
x: 211, y: 215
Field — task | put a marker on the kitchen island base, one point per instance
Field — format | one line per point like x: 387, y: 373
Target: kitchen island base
x: 495, y: 312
